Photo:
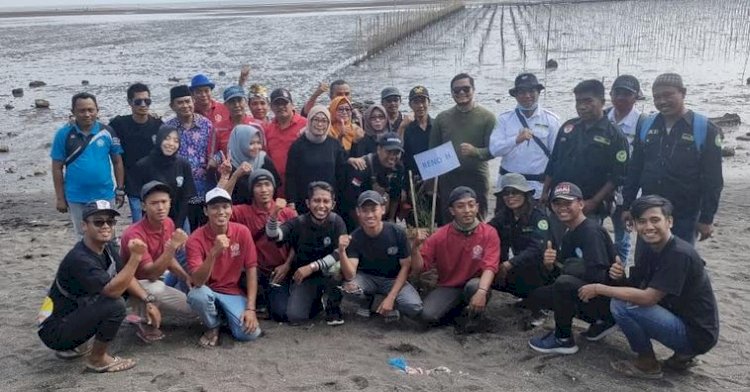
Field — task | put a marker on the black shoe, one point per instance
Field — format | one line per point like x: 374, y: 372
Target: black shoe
x: 599, y: 330
x: 334, y: 317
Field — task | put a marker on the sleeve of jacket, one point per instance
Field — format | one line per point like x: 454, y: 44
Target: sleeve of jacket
x: 712, y: 180
x: 536, y: 241
x: 549, y: 170
x: 633, y: 175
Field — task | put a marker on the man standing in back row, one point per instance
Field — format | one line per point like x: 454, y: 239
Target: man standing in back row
x: 468, y: 127
x: 677, y: 155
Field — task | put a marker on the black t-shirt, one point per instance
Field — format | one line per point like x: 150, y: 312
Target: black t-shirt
x: 310, y: 162
x: 375, y: 177
x: 526, y: 237
x: 82, y: 273
x: 137, y: 141
x: 679, y: 272
x: 380, y: 255
x: 312, y: 241
x: 591, y: 242
x: 416, y: 140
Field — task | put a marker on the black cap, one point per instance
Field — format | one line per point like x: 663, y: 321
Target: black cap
x: 281, y: 93
x: 628, y: 82
x: 459, y: 193
x: 567, y: 191
x: 419, y: 91
x: 153, y: 186
x: 260, y: 175
x: 390, y: 141
x: 179, y: 92
x: 389, y: 92
x: 525, y: 81
x: 371, y: 196
x: 96, y: 207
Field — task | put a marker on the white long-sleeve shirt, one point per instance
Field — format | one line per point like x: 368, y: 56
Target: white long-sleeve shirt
x: 527, y: 157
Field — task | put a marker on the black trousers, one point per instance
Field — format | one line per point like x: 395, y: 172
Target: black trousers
x: 100, y: 319
x: 562, y: 298
x: 196, y: 216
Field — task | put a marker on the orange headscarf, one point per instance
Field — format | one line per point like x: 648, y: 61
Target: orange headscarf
x: 345, y: 132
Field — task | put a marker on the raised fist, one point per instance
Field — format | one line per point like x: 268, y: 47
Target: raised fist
x: 137, y: 247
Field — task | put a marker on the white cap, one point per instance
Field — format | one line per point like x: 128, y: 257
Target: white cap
x: 217, y: 194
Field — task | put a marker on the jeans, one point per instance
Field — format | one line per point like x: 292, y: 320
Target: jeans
x: 622, y: 236
x: 171, y: 279
x: 76, y: 216
x: 134, y: 202
x: 407, y: 300
x: 562, y: 298
x: 444, y: 300
x: 275, y: 297
x: 303, y: 296
x: 208, y: 303
x: 101, y: 319
x: 640, y: 324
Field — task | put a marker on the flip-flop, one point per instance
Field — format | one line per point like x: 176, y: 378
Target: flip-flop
x: 207, y: 341
x: 148, y: 334
x: 629, y: 369
x: 117, y: 365
x: 77, y: 352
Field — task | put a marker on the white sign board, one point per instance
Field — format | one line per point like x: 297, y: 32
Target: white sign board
x: 437, y: 161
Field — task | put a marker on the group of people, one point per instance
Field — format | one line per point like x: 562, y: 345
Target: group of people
x: 237, y: 214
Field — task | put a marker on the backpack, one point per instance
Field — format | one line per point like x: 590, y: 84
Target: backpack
x: 700, y: 129
x: 73, y: 152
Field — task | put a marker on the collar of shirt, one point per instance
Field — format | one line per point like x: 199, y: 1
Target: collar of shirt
x: 296, y: 118
x: 602, y: 124
x: 628, y: 123
x: 95, y: 128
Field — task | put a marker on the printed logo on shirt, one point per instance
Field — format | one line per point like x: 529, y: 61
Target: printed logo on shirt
x: 100, y: 143
x: 180, y: 180
x: 569, y: 128
x: 579, y: 253
x: 477, y: 252
x: 326, y: 241
x: 717, y: 140
x: 392, y: 251
x: 235, y: 248
x: 602, y: 140
x: 543, y: 225
x: 688, y: 137
x: 356, y: 182
x: 621, y: 156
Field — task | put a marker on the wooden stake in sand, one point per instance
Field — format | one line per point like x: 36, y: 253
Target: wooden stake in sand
x: 434, y: 204
x: 413, y: 199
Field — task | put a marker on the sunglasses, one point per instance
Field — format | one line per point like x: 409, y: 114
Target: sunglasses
x: 462, y: 89
x: 142, y: 102
x: 100, y: 222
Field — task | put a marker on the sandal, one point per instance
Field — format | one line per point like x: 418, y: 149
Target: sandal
x: 629, y: 369
x: 148, y: 334
x: 209, y: 338
x: 117, y: 365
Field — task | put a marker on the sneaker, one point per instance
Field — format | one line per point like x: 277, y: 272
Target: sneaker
x: 363, y: 312
x: 550, y: 344
x: 599, y: 330
x: 334, y: 317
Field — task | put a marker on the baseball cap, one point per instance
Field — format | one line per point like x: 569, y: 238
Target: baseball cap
x: 217, y: 195
x: 201, y: 80
x: 418, y: 91
x: 390, y: 141
x: 372, y: 196
x: 389, y: 92
x: 627, y: 82
x: 515, y: 181
x: 178, y: 92
x: 459, y: 193
x: 525, y: 81
x: 234, y: 92
x: 260, y: 175
x: 96, y: 207
x: 281, y: 93
x: 153, y: 186
x: 567, y: 191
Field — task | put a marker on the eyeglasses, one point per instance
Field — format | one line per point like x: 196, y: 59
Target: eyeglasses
x: 142, y: 102
x: 344, y: 109
x: 319, y: 120
x: 100, y: 222
x: 462, y: 89
x: 380, y: 117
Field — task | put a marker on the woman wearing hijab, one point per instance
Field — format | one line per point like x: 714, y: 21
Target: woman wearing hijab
x: 245, y: 147
x: 342, y: 127
x: 163, y: 165
x: 376, y: 124
x: 314, y: 157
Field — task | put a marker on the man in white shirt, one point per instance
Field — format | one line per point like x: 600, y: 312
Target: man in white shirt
x: 524, y: 137
x: 625, y: 91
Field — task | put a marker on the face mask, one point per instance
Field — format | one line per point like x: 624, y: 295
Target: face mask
x: 532, y: 108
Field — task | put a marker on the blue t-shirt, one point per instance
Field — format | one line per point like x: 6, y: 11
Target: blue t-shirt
x: 89, y: 177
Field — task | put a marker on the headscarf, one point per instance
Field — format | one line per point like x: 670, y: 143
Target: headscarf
x: 239, y: 146
x: 346, y: 133
x: 366, y: 119
x: 157, y: 154
x: 317, y: 109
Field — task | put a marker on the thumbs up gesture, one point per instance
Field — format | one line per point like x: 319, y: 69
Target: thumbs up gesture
x: 617, y: 270
x: 550, y: 256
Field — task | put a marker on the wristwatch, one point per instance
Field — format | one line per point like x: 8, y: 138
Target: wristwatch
x: 150, y: 298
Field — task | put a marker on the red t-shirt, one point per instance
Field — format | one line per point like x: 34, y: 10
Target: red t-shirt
x: 241, y: 255
x: 224, y: 129
x: 459, y: 258
x: 155, y: 240
x: 278, y: 142
x: 216, y: 112
x: 270, y: 253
